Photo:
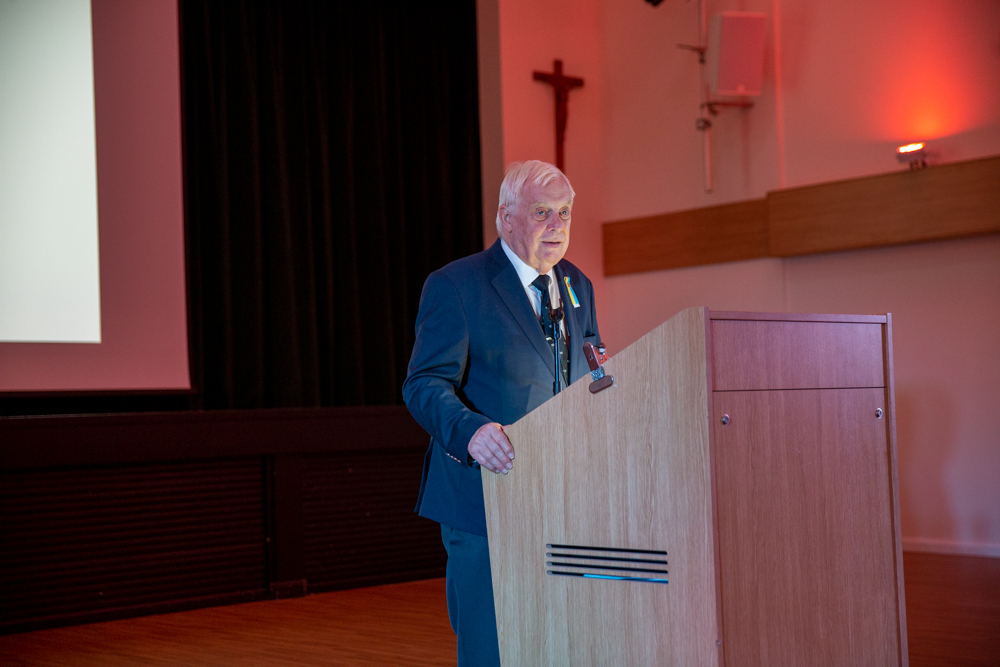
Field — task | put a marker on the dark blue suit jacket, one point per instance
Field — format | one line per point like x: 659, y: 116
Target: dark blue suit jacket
x: 480, y: 356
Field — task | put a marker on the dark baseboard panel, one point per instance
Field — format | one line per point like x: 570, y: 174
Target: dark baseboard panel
x: 381, y: 580
x: 112, y: 516
x: 45, y: 442
x: 14, y: 626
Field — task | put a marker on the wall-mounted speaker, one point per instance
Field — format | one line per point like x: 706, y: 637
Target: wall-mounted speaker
x: 735, y: 52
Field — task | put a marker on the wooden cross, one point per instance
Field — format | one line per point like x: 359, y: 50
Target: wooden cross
x: 562, y: 85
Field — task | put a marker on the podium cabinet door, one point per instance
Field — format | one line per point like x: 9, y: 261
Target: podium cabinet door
x: 805, y: 528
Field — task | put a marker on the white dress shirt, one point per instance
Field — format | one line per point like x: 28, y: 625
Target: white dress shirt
x: 527, y: 276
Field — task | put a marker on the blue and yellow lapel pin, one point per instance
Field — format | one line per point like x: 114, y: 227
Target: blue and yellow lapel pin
x: 572, y: 294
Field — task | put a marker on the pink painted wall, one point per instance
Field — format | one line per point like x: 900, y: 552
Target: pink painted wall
x: 844, y: 84
x: 945, y: 305
x: 860, y: 78
x: 140, y: 217
x: 532, y: 35
x: 653, y: 160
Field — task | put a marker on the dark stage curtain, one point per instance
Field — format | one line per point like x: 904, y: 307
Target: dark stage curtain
x: 332, y: 162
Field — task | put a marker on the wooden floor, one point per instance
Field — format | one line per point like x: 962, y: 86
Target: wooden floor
x: 952, y: 608
x: 400, y: 624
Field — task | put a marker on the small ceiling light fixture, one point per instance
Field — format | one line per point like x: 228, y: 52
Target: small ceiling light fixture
x: 913, y: 154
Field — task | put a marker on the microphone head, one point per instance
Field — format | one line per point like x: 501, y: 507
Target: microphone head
x: 556, y: 315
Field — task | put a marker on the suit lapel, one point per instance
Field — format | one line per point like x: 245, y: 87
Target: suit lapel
x: 508, y: 286
x: 573, y: 329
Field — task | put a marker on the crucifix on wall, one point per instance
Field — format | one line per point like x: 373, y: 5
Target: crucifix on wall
x: 562, y: 85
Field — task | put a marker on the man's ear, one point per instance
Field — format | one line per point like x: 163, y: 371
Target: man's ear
x: 505, y: 220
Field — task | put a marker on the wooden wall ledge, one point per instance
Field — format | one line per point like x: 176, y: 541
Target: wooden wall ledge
x: 942, y: 202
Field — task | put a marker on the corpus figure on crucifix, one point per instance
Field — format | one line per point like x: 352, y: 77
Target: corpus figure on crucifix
x: 562, y: 85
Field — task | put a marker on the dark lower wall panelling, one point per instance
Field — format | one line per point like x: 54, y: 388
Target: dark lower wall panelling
x: 110, y: 516
x: 358, y: 520
x: 79, y: 543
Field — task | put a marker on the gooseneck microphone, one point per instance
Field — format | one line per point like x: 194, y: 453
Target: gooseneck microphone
x: 556, y: 316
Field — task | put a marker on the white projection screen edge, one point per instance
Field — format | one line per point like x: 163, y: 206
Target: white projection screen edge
x: 97, y: 117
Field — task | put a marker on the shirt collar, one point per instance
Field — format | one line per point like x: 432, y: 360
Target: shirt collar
x: 524, y: 272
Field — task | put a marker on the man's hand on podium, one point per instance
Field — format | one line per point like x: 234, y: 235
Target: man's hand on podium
x: 490, y: 447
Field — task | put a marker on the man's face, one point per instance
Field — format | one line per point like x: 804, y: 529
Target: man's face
x: 538, y: 230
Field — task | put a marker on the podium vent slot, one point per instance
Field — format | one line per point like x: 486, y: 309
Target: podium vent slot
x: 612, y: 563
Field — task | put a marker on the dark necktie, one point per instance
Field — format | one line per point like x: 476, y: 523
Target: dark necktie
x: 541, y: 283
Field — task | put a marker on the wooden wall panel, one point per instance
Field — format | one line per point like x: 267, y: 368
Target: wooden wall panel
x: 110, y: 516
x: 947, y: 201
x: 940, y: 202
x: 701, y: 236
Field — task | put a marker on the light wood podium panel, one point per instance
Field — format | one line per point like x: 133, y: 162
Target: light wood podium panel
x: 780, y: 528
x: 627, y: 468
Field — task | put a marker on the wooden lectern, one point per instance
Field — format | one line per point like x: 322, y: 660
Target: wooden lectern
x: 732, y: 500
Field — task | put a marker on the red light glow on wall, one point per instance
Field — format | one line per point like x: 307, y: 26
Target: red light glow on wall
x: 931, y: 77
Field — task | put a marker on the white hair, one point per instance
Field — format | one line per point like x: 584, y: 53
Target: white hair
x: 521, y: 174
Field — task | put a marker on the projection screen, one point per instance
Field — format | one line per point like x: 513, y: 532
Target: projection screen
x: 92, y: 293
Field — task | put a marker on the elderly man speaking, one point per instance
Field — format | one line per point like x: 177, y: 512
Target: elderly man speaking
x: 484, y: 356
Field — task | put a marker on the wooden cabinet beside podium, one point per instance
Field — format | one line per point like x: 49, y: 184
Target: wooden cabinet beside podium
x: 807, y: 523
x: 780, y: 522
